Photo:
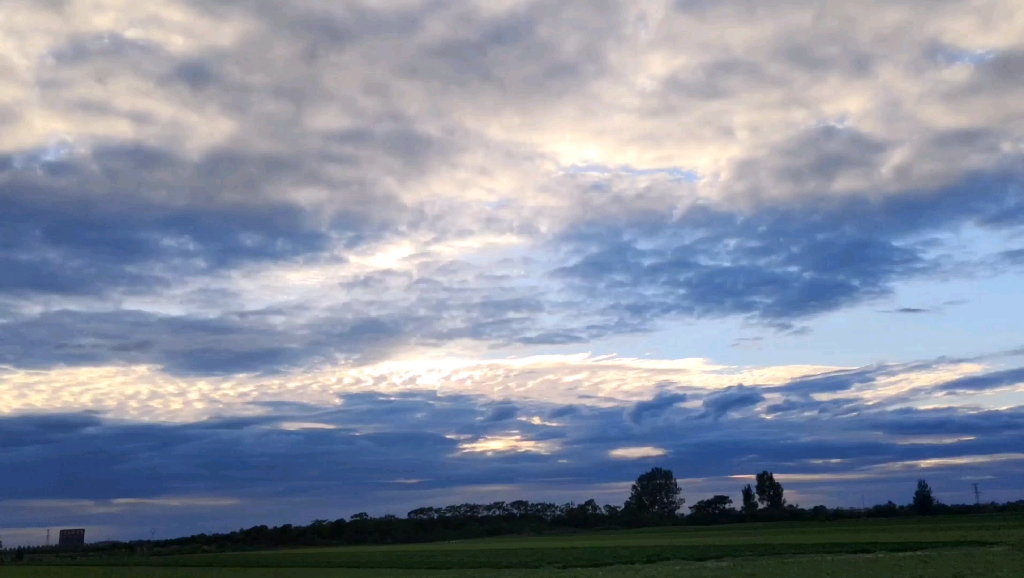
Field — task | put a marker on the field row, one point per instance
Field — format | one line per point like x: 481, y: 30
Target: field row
x: 508, y: 558
x: 999, y: 562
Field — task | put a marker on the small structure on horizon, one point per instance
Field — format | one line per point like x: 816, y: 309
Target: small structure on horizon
x: 72, y: 538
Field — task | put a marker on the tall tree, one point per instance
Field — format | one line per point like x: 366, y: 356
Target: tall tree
x: 655, y: 493
x: 769, y: 491
x: 712, y: 507
x: 924, y: 501
x: 749, y: 499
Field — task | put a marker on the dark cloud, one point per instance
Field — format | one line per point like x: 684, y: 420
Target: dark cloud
x: 502, y: 412
x: 747, y: 342
x: 1015, y: 256
x: 826, y: 53
x: 993, y: 380
x: 182, y: 344
x: 552, y: 338
x: 806, y: 405
x: 379, y: 438
x: 781, y: 262
x: 731, y: 399
x: 775, y: 264
x: 835, y: 381
x: 195, y: 74
x: 369, y: 326
x: 133, y: 219
x: 948, y: 421
x: 1001, y: 73
x: 654, y: 406
x: 25, y: 431
x: 564, y: 411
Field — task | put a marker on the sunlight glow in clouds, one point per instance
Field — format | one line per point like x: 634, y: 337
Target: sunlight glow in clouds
x: 147, y: 393
x: 637, y: 453
x: 506, y: 444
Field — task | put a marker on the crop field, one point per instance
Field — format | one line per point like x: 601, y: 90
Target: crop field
x: 948, y: 547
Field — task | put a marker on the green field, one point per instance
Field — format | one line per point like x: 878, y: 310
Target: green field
x: 941, y: 547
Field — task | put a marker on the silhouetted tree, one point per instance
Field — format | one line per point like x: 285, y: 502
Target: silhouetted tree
x: 924, y: 501
x: 769, y: 491
x: 711, y: 507
x: 749, y: 500
x: 360, y: 516
x: 655, y: 493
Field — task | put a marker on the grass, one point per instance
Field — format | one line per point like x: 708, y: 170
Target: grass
x: 998, y: 562
x: 950, y: 547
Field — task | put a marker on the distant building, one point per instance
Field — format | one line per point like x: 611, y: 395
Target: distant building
x: 71, y: 538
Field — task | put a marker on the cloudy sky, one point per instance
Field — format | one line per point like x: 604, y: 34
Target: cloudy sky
x: 271, y: 261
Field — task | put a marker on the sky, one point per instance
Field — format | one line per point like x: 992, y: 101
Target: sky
x: 275, y: 261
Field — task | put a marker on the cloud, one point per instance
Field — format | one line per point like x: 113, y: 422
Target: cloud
x: 993, y: 380
x: 434, y: 439
x: 490, y: 445
x: 351, y: 135
x: 775, y: 264
x: 731, y: 399
x: 654, y: 406
x: 835, y: 381
x: 950, y: 422
x: 1015, y: 256
x: 502, y: 412
x: 178, y: 343
x: 187, y: 174
x: 440, y: 440
x: 637, y: 453
x: 747, y: 342
x: 260, y: 240
x: 567, y: 385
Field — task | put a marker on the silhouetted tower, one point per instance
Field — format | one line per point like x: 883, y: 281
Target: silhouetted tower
x: 977, y: 494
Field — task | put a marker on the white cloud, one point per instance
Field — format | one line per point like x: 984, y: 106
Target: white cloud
x: 449, y: 129
x: 490, y: 445
x: 303, y: 425
x: 949, y: 462
x: 148, y: 393
x: 636, y: 453
x: 511, y: 95
x: 885, y: 470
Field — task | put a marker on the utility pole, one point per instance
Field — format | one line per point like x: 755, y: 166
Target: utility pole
x: 977, y: 494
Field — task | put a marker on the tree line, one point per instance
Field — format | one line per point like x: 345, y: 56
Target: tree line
x: 655, y: 498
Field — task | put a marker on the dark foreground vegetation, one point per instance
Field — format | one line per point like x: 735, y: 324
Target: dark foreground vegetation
x: 981, y: 546
x: 655, y: 501
x: 953, y: 563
